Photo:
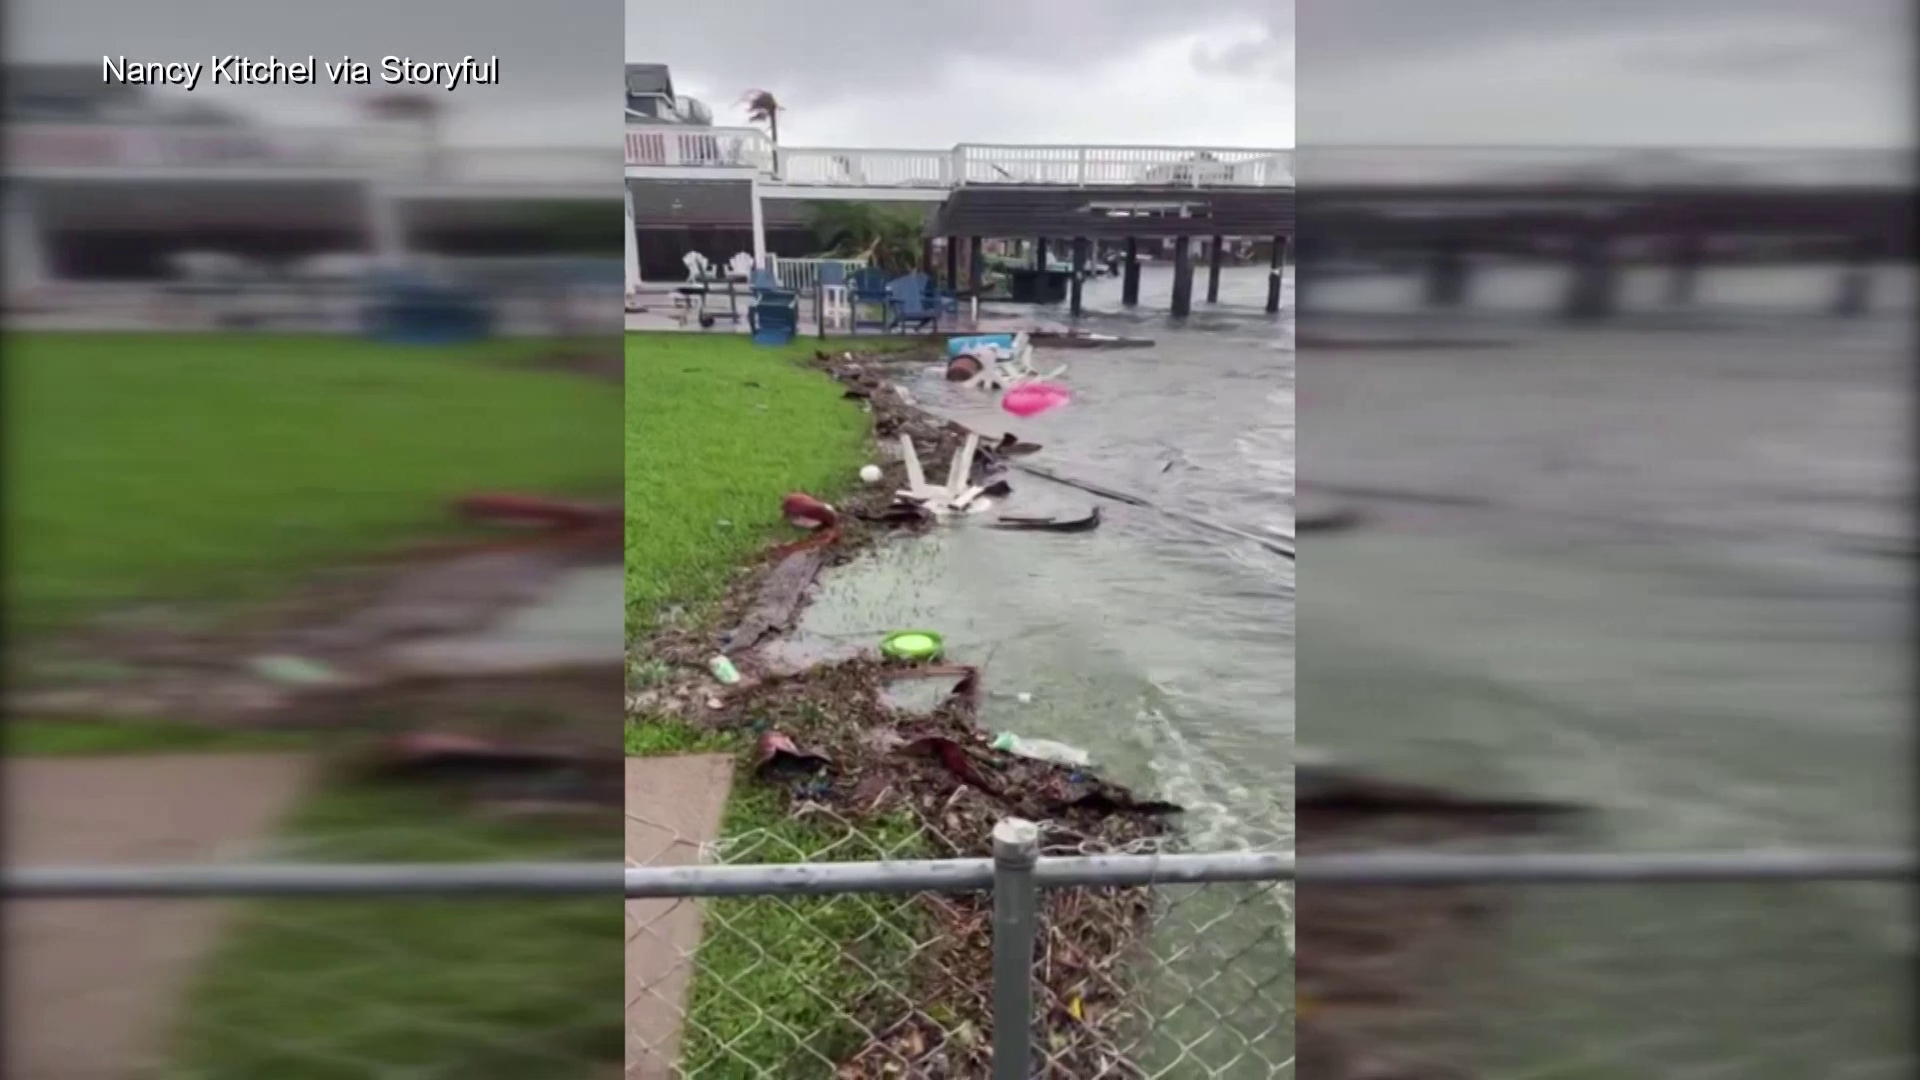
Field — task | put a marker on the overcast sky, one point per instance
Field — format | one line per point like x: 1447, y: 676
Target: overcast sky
x: 1619, y: 72
x: 929, y: 73
x: 1220, y: 72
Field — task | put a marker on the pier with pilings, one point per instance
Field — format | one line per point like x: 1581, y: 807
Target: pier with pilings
x: 1593, y: 211
x: 1445, y: 214
x: 1078, y: 199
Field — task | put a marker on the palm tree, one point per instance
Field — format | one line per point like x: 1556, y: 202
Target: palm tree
x: 887, y: 238
x: 764, y: 108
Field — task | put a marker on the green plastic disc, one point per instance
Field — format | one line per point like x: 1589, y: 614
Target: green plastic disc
x: 912, y: 645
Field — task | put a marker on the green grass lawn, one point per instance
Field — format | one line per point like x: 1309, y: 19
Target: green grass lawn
x: 27, y: 737
x: 493, y: 989
x: 220, y: 467
x: 718, y: 431
x: 146, y: 466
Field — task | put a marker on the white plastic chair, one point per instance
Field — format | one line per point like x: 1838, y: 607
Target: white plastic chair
x: 698, y: 268
x: 740, y: 267
x: 835, y: 309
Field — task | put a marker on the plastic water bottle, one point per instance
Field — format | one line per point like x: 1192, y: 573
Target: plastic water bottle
x: 723, y: 670
x: 1042, y: 750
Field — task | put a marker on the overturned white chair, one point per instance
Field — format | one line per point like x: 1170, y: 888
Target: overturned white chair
x: 956, y: 497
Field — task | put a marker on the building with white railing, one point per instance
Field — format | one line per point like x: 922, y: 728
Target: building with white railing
x: 106, y: 180
x: 668, y: 155
x: 651, y: 100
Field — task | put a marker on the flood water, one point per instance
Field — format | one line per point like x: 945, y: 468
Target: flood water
x: 1164, y: 650
x: 1661, y: 569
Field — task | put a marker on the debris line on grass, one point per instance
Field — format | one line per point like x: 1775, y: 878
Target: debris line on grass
x: 829, y: 741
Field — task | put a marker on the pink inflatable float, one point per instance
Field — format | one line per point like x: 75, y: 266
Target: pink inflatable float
x: 1034, y: 398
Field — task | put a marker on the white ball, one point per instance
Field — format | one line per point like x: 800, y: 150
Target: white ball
x: 871, y: 474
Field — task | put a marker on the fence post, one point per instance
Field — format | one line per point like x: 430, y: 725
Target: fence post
x: 1016, y: 902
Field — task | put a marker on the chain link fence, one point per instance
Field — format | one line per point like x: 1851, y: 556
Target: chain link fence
x: 382, y: 934
x: 823, y: 949
x: 866, y: 960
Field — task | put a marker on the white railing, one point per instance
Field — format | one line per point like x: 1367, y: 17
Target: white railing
x: 803, y: 275
x: 1275, y: 170
x: 1328, y: 166
x: 1535, y: 166
x: 671, y: 145
x: 164, y: 146
x: 1115, y: 165
x: 866, y: 168
x: 372, y: 152
x: 508, y: 164
x: 65, y: 147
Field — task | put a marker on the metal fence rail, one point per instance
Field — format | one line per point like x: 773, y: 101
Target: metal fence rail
x: 1221, y: 968
x: 455, y: 880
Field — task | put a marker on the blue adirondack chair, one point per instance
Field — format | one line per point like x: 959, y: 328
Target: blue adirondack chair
x: 774, y: 318
x: 407, y: 309
x: 909, y: 305
x: 868, y: 289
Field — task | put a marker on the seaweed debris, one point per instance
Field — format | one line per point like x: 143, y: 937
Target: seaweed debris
x: 868, y: 762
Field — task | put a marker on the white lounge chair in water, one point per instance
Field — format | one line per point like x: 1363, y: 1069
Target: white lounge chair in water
x: 955, y: 497
x: 1001, y: 369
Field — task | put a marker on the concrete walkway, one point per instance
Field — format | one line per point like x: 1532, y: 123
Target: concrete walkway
x: 96, y: 984
x: 673, y: 806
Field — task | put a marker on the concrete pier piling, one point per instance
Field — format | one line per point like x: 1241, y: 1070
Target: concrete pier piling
x: 1683, y: 279
x: 1130, y: 275
x: 1447, y: 275
x: 1215, y: 252
x: 1080, y: 246
x: 1276, y: 273
x: 1080, y: 273
x: 1853, y: 295
x: 1182, y: 277
x: 1593, y: 288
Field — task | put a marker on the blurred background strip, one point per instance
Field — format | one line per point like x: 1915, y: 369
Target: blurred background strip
x: 313, y: 466
x: 1605, y: 316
